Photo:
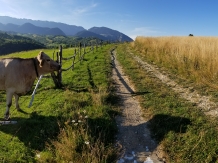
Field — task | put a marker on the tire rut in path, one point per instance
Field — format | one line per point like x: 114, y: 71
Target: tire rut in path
x: 133, y: 137
x: 203, y: 102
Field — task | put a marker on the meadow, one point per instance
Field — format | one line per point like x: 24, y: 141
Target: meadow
x: 76, y: 123
x: 195, y: 58
x: 71, y: 124
x: 183, y: 132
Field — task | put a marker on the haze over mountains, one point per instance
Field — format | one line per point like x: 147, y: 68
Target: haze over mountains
x: 39, y: 27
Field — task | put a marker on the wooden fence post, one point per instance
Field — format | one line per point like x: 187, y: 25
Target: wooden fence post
x: 80, y: 50
x: 55, y: 77
x: 53, y: 54
x: 57, y: 57
x: 74, y: 59
x: 84, y: 52
x: 60, y: 63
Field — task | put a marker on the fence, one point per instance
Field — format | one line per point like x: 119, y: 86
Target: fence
x: 80, y: 52
x: 59, y: 58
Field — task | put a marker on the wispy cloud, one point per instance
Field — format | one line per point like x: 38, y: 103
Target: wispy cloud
x: 145, y: 31
x: 64, y: 10
x: 24, y: 9
x: 84, y: 9
x: 9, y: 8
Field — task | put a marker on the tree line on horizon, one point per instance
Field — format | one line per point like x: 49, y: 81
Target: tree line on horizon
x: 15, y: 42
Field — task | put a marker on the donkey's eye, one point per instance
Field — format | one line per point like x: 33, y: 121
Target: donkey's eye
x: 48, y: 60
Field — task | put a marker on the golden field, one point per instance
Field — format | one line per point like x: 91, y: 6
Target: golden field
x: 192, y: 57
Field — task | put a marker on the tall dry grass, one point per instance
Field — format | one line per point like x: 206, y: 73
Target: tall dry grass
x: 83, y: 138
x: 77, y: 146
x: 193, y: 57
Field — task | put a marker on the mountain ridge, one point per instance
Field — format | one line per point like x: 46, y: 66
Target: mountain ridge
x: 110, y: 34
x: 66, y: 28
x: 55, y: 28
x: 87, y: 33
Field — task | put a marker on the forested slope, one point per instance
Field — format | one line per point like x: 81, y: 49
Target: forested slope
x: 14, y: 43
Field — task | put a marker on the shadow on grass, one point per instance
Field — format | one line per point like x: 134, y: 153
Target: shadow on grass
x: 34, y: 131
x: 124, y: 83
x: 75, y: 88
x: 79, y: 89
x: 91, y: 81
x: 161, y: 124
x: 102, y: 128
x: 139, y: 136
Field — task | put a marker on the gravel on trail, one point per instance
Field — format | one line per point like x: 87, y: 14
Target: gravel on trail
x: 134, y: 140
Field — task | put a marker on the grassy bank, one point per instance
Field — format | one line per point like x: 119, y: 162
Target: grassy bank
x: 72, y: 124
x: 182, y: 130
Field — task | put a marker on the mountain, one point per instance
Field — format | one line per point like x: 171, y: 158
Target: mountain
x: 104, y: 33
x: 54, y: 28
x: 32, y: 29
x: 110, y: 34
x: 69, y: 30
x: 86, y: 33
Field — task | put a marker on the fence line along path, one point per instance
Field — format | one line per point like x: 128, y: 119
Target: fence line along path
x: 80, y: 52
x: 59, y: 58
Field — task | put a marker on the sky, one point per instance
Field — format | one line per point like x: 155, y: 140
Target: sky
x: 149, y: 18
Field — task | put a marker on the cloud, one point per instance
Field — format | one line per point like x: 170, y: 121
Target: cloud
x: 84, y: 9
x: 24, y: 9
x: 145, y: 31
x: 62, y: 11
x: 9, y: 8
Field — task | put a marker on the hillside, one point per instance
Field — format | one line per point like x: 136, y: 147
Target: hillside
x: 179, y: 96
x: 31, y: 29
x: 66, y: 41
x: 86, y: 33
x: 13, y: 43
x: 110, y: 34
x: 39, y: 135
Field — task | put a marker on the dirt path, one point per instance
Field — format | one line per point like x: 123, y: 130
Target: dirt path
x: 203, y: 102
x: 134, y: 137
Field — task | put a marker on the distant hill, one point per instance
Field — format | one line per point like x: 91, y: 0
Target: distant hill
x: 13, y: 43
x: 69, y: 30
x: 110, y: 34
x: 86, y: 33
x: 32, y: 29
x: 28, y: 26
x: 104, y: 33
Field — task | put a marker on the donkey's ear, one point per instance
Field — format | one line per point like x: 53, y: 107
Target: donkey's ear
x: 40, y: 59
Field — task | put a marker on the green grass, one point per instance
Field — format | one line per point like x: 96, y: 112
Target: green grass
x: 74, y: 123
x: 186, y: 134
